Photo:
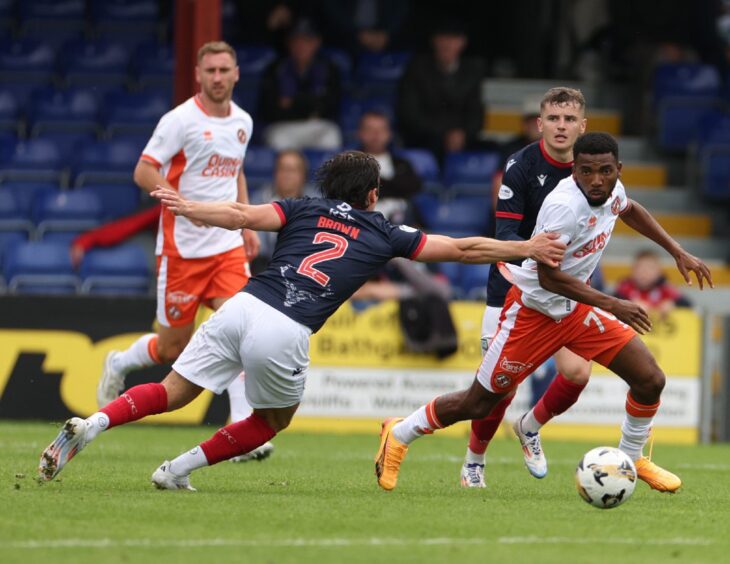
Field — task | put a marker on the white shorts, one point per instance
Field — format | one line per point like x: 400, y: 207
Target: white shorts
x: 490, y: 320
x: 247, y: 334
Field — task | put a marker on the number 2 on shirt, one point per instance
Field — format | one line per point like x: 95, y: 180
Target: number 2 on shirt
x: 306, y: 268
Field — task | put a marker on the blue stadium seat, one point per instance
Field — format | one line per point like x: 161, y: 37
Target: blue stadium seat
x: 12, y: 217
x: 92, y: 62
x: 474, y: 280
x: 28, y: 61
x: 106, y: 161
x: 246, y: 95
x: 134, y: 111
x: 686, y: 79
x: 427, y: 204
x: 118, y: 270
x: 67, y: 211
x: 154, y: 64
x: 8, y: 240
x: 715, y: 172
x: 64, y: 238
x: 26, y: 193
x: 8, y: 139
x: 35, y: 154
x: 69, y: 143
x: 61, y: 11
x: 679, y: 119
x: 713, y: 129
x: 341, y: 59
x: 253, y: 59
x: 470, y: 168
x: 471, y: 215
x: 424, y: 163
x: 378, y: 73
x: 117, y: 200
x: 73, y: 109
x: 132, y: 15
x: 316, y: 158
x: 54, y: 36
x: 259, y: 163
x: 39, y: 268
x: 9, y: 110
x: 452, y: 271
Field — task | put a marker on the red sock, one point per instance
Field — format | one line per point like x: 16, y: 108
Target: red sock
x: 482, y: 430
x: 237, y: 438
x: 136, y: 403
x: 557, y: 399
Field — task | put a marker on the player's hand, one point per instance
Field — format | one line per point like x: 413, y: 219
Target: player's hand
x: 171, y: 199
x: 687, y: 263
x: 547, y: 248
x: 252, y: 243
x: 77, y: 253
x: 633, y: 315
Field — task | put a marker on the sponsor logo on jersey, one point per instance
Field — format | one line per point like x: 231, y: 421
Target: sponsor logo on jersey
x: 179, y: 297
x: 341, y: 211
x: 616, y: 206
x: 502, y: 381
x: 208, y: 135
x: 219, y: 165
x: 505, y: 192
x: 594, y: 245
x: 514, y: 366
x: 541, y: 178
x: 407, y: 228
x: 509, y: 164
x: 241, y: 135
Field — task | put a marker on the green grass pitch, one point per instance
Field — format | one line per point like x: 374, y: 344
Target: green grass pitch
x: 316, y: 500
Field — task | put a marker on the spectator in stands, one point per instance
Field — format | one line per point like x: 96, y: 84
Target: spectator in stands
x: 289, y: 181
x: 300, y: 95
x: 398, y: 181
x: 365, y: 25
x: 648, y: 287
x: 439, y: 101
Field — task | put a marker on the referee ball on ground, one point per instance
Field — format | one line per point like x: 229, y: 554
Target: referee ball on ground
x: 605, y: 477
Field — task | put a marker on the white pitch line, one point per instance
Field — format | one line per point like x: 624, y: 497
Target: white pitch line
x: 335, y: 542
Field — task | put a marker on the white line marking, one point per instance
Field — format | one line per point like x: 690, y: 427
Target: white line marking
x: 336, y: 542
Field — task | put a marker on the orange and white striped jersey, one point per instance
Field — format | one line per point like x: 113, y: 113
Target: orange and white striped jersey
x: 200, y: 155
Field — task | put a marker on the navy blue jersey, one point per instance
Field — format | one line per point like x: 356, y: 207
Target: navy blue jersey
x: 529, y: 175
x: 324, y: 252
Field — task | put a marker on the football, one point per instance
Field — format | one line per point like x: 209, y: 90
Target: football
x: 605, y: 477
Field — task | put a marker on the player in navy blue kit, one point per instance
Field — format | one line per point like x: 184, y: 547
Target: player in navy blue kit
x: 326, y: 249
x: 529, y: 176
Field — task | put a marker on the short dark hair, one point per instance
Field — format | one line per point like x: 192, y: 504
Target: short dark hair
x: 561, y: 95
x: 349, y: 177
x: 596, y: 143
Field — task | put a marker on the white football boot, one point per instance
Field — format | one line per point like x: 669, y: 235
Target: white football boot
x: 472, y: 475
x: 111, y: 383
x: 535, y: 460
x: 67, y: 444
x: 164, y: 479
x: 259, y: 453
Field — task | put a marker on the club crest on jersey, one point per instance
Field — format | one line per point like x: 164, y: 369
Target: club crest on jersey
x: 502, y: 381
x: 207, y: 135
x: 541, y: 178
x: 509, y: 164
x: 616, y: 206
x: 514, y: 366
x: 241, y: 135
x: 592, y: 221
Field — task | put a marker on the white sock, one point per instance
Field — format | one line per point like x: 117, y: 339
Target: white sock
x: 135, y: 357
x: 95, y: 424
x: 188, y: 461
x: 473, y: 457
x: 240, y: 408
x: 634, y: 434
x: 412, y: 427
x: 529, y: 424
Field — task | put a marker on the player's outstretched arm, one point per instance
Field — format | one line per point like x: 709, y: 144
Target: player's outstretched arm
x: 639, y: 219
x: 229, y: 215
x: 544, y: 247
x: 555, y: 280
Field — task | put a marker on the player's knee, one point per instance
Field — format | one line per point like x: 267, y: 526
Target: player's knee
x: 649, y: 389
x: 578, y: 373
x: 479, y: 408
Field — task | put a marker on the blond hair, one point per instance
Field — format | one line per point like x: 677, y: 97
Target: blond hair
x: 563, y: 95
x: 215, y: 47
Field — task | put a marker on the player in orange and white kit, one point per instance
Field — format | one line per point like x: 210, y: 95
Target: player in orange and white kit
x: 197, y: 148
x: 552, y: 307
